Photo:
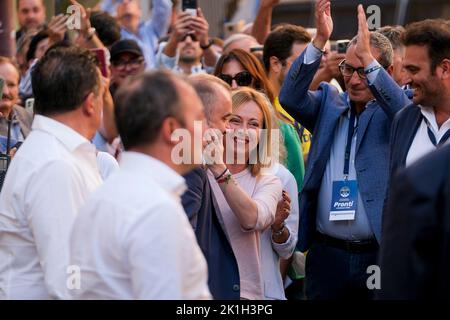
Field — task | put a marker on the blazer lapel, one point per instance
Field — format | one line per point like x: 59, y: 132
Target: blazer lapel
x: 321, y: 151
x: 408, y: 132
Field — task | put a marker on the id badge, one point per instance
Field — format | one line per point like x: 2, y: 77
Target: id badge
x: 344, y: 200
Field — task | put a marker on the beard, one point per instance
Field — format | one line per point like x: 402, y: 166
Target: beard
x: 430, y: 94
x: 188, y: 59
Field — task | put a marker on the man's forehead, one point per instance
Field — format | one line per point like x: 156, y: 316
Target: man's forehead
x: 30, y: 3
x: 416, y: 50
x: 7, y: 69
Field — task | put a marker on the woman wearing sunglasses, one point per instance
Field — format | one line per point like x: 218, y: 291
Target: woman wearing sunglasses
x: 246, y: 196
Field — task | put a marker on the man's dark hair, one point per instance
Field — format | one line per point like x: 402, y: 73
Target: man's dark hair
x: 432, y: 33
x: 279, y: 42
x: 18, y: 2
x: 394, y: 34
x: 63, y: 78
x: 107, y: 28
x: 41, y: 35
x: 141, y: 105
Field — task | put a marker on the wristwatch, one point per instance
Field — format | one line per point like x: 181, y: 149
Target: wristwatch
x: 210, y: 43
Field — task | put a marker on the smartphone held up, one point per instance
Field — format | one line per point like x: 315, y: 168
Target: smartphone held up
x: 190, y: 6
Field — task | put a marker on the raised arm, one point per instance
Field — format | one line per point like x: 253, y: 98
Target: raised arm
x: 300, y: 103
x: 87, y: 37
x: 159, y: 22
x: 391, y: 97
x: 263, y: 20
x: 201, y: 28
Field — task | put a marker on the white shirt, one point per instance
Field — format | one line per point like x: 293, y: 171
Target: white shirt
x: 107, y: 164
x: 271, y: 252
x: 132, y: 239
x: 422, y: 144
x: 48, y: 180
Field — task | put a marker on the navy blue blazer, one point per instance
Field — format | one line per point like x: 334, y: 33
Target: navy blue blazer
x: 415, y: 249
x: 319, y: 112
x: 404, y: 128
x: 203, y: 213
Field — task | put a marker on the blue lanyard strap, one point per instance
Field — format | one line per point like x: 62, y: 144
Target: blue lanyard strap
x: 348, y: 147
x: 433, y: 138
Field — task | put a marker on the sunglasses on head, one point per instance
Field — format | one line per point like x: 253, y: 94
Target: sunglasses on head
x: 243, y: 78
x: 193, y: 37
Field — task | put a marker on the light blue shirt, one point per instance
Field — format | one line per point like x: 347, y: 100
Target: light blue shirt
x: 16, y: 134
x: 359, y: 228
x: 171, y: 63
x: 110, y: 6
x: 100, y: 142
x: 150, y: 31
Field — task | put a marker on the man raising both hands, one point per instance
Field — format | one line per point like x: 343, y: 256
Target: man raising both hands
x: 346, y: 177
x: 189, y: 49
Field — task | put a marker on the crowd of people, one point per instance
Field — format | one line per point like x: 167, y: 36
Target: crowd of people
x: 150, y: 160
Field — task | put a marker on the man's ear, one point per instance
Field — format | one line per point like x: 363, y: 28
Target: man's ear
x: 168, y: 127
x: 275, y: 65
x: 390, y: 70
x: 89, y: 104
x: 445, y: 66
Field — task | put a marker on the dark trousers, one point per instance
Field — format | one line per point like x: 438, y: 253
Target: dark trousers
x: 333, y: 273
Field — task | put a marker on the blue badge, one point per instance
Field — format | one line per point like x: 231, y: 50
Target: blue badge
x: 344, y: 200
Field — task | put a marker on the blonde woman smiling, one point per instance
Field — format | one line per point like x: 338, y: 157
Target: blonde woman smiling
x: 247, y: 198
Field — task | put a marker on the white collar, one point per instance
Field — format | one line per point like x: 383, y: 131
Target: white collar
x: 66, y: 135
x: 430, y: 118
x: 198, y: 68
x: 164, y: 176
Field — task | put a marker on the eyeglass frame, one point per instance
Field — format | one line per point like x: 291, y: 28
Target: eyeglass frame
x: 138, y: 61
x: 342, y: 65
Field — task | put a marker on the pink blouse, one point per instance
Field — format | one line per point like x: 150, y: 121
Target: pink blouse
x: 265, y: 190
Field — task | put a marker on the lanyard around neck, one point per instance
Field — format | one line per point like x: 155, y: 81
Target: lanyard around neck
x: 348, y: 147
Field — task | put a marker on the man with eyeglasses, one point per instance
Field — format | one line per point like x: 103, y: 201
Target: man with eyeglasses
x: 189, y: 49
x: 127, y: 60
x: 347, y: 173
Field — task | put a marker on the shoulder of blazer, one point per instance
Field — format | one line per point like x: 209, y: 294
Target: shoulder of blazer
x: 408, y: 111
x: 407, y: 114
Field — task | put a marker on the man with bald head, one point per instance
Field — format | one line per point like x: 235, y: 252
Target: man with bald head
x: 199, y: 201
x: 240, y: 41
x: 132, y: 239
